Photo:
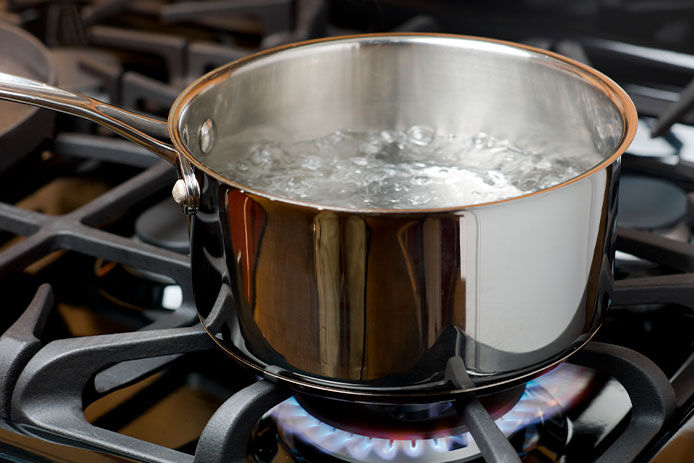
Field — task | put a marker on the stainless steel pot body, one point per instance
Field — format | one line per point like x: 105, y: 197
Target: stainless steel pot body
x: 385, y: 305
x: 391, y: 307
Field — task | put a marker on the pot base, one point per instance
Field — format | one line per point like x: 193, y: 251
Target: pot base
x: 439, y: 391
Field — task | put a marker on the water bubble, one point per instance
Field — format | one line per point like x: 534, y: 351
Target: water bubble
x: 387, y: 136
x: 373, y: 190
x: 451, y: 180
x: 499, y: 147
x: 497, y: 177
x: 262, y: 155
x: 311, y: 162
x: 480, y: 140
x: 419, y: 199
x: 337, y: 136
x: 421, y: 135
x: 527, y: 185
x: 371, y: 148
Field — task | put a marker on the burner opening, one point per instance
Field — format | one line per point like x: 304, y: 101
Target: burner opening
x: 404, y: 421
x: 650, y: 203
x: 536, y: 425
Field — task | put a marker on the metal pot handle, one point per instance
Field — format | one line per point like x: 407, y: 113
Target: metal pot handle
x: 143, y: 130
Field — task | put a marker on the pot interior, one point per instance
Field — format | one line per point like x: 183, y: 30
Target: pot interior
x: 455, y: 85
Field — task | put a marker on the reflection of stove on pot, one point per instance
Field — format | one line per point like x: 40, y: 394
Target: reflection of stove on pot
x: 121, y: 371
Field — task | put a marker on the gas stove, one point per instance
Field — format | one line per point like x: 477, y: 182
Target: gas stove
x: 101, y: 354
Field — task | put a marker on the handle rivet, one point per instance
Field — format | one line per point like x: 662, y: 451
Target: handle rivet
x: 179, y: 192
x: 208, y: 136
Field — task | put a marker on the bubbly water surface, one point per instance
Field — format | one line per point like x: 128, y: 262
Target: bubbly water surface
x: 413, y: 169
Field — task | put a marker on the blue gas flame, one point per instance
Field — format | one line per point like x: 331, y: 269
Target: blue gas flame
x: 536, y: 404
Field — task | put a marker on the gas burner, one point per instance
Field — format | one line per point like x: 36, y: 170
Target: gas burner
x: 534, y: 424
x: 164, y: 226
x: 406, y: 421
x: 653, y: 205
x: 650, y: 203
x: 149, y: 294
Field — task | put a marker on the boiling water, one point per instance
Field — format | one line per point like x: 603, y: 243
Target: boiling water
x: 413, y: 169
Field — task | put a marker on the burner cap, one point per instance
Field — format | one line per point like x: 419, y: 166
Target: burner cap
x: 165, y: 226
x: 649, y: 203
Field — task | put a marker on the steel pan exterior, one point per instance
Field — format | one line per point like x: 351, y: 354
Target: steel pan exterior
x: 390, y: 305
x: 386, y: 307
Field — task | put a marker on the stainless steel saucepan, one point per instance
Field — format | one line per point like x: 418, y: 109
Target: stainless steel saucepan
x: 391, y: 305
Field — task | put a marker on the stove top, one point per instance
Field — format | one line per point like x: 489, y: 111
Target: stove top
x: 101, y: 354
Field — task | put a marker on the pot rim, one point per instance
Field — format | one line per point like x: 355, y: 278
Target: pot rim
x: 597, y: 79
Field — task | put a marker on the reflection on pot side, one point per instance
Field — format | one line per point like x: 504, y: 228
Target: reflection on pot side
x: 387, y: 301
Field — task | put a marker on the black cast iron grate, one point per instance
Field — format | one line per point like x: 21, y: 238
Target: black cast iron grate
x: 47, y: 407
